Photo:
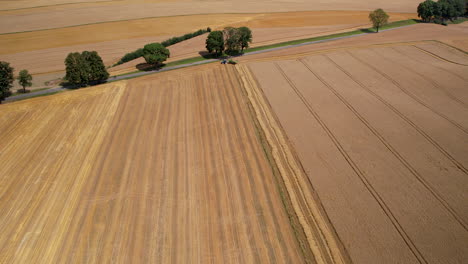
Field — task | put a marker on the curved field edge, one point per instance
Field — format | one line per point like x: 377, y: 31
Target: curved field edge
x: 316, y: 236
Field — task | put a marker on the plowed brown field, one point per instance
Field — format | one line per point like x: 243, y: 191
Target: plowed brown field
x: 161, y: 169
x: 382, y: 134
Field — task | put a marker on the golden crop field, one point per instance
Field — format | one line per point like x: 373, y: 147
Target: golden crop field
x: 160, y: 169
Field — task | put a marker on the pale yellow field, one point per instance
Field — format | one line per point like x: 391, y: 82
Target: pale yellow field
x: 79, y: 14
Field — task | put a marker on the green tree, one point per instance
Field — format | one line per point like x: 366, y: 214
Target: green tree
x: 232, y: 39
x: 97, y: 71
x: 459, y: 7
x: 77, y: 70
x: 155, y: 53
x: 6, y: 80
x: 215, y: 42
x: 378, y: 18
x: 245, y: 37
x: 428, y: 10
x: 447, y: 10
x: 25, y: 79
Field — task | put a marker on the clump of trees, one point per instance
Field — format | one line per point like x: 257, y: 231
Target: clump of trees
x: 6, y: 80
x: 155, y: 54
x: 85, y: 68
x: 215, y: 42
x: 25, y: 80
x: 231, y: 40
x: 139, y: 52
x: 442, y: 10
x: 378, y: 18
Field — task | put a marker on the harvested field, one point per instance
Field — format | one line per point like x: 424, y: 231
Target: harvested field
x: 88, y: 13
x: 161, y: 169
x: 382, y: 136
x: 418, y: 32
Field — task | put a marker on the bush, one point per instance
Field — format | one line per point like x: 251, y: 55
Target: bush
x: 232, y: 62
x: 168, y: 42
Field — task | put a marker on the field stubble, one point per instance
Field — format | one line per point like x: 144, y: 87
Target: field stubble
x: 385, y: 149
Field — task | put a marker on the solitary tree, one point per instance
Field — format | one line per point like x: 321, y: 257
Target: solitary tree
x: 96, y: 70
x: 245, y: 37
x: 25, y: 79
x: 378, y: 18
x: 215, y: 42
x: 155, y: 53
x: 6, y: 80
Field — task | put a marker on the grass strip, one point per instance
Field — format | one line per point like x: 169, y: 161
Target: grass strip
x: 338, y: 35
x: 395, y: 24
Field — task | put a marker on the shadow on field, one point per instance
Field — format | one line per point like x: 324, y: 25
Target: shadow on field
x: 149, y: 67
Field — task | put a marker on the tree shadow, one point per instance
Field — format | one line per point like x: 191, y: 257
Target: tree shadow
x: 207, y: 55
x: 149, y: 67
x: 367, y: 30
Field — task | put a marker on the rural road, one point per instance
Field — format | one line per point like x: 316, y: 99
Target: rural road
x: 138, y: 74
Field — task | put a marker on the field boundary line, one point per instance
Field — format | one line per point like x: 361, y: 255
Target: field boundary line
x: 321, y: 238
x: 416, y: 127
x: 397, y: 84
x: 439, y: 57
x: 429, y: 79
x: 374, y: 131
x: 433, y: 65
x: 240, y: 100
x: 309, y: 53
x: 355, y: 168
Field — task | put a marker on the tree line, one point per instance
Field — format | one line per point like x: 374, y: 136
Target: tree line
x: 168, y: 42
x: 442, y: 10
x: 7, y: 78
x: 230, y: 40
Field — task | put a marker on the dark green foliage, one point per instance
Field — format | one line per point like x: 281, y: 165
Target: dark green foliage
x: 232, y: 39
x: 139, y: 52
x: 378, y: 18
x: 245, y: 37
x: 6, y: 80
x: 155, y: 53
x: 97, y: 72
x: 25, y: 79
x: 215, y: 42
x: 76, y: 69
x: 442, y: 10
x: 428, y: 10
x: 131, y: 56
x: 175, y: 40
x: 447, y: 10
x: 85, y: 68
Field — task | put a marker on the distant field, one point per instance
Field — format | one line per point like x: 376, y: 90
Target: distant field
x: 85, y: 13
x: 161, y: 169
x: 382, y: 134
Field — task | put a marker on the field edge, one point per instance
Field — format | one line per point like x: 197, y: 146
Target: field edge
x: 316, y: 236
